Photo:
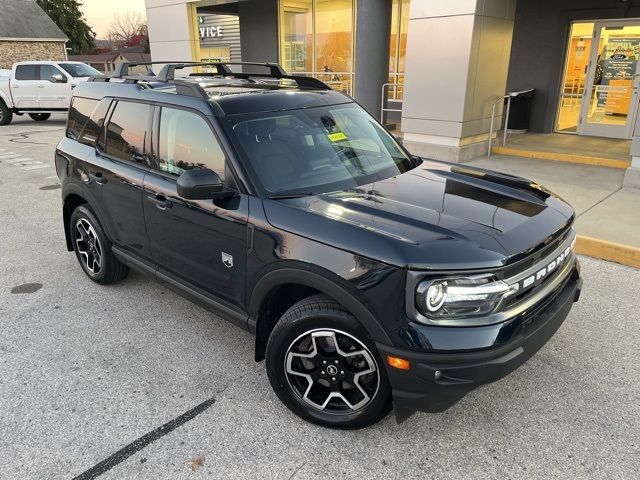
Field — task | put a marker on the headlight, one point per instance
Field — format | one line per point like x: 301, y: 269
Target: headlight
x: 462, y: 296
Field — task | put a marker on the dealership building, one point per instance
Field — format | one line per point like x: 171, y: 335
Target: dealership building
x: 436, y: 66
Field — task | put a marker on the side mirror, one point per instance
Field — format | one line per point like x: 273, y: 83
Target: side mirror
x: 58, y: 78
x: 201, y: 185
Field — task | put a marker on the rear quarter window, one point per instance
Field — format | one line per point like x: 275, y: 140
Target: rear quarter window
x: 93, y: 127
x: 28, y: 72
x: 79, y: 113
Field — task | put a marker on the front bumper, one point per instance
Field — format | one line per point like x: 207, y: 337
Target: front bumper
x: 438, y: 380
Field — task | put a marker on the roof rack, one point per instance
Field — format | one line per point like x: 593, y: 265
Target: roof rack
x: 185, y: 87
x: 167, y: 73
x: 122, y: 69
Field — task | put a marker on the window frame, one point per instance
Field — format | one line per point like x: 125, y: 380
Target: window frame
x: 253, y: 177
x: 70, y: 116
x: 36, y: 67
x: 155, y: 141
x: 94, y: 144
x: 101, y: 141
x: 55, y: 67
x: 237, y: 177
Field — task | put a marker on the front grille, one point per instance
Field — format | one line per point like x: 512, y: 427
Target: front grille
x: 561, y: 249
x: 539, y: 252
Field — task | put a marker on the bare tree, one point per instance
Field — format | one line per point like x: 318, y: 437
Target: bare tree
x: 127, y: 28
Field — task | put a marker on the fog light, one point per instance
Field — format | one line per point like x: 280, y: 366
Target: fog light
x: 399, y: 363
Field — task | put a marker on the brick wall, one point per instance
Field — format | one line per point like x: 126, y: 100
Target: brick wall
x: 19, y: 51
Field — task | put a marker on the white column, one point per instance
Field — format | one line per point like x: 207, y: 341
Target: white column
x: 173, y: 30
x: 456, y: 65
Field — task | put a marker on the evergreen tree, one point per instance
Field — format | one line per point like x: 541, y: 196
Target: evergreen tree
x: 67, y: 16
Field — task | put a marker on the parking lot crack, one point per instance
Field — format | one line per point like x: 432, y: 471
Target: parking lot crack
x: 150, y: 437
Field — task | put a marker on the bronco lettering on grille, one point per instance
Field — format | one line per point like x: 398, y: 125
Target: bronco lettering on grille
x: 543, y: 272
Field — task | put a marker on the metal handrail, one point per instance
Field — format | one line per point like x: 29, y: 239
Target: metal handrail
x: 383, y: 97
x: 509, y: 96
x: 493, y: 114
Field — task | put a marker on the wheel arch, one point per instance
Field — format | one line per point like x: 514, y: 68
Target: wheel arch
x: 294, y: 285
x: 72, y: 200
x: 7, y: 101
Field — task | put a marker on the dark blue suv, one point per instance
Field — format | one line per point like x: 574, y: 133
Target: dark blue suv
x: 372, y: 279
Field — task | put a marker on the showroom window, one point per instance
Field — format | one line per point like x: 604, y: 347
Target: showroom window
x: 317, y: 39
x: 575, y: 73
x: 398, y: 48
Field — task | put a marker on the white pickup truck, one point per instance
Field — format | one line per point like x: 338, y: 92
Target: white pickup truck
x: 40, y: 88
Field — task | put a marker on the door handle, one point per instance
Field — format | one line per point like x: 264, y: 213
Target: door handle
x: 98, y: 178
x: 162, y: 203
x: 40, y: 86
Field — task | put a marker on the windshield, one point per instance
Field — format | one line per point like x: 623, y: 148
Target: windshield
x: 316, y: 150
x: 79, y: 70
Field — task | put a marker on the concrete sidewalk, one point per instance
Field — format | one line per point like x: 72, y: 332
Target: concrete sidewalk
x: 608, y: 215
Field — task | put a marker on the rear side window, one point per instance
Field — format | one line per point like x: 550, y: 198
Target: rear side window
x: 187, y: 142
x: 28, y: 72
x: 92, y: 128
x: 127, y: 131
x: 79, y: 113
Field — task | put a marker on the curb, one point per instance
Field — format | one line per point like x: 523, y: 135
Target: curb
x: 562, y: 157
x: 605, y: 250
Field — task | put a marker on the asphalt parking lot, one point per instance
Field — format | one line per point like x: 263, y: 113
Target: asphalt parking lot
x: 133, y: 381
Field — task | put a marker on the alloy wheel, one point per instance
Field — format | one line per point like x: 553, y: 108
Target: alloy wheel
x: 89, y: 246
x: 332, y: 371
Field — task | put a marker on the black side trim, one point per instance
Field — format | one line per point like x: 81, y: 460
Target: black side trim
x: 188, y: 291
x: 134, y: 262
x: 27, y: 110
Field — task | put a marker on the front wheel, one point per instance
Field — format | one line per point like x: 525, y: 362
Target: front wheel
x: 324, y: 368
x: 40, y: 117
x: 6, y: 115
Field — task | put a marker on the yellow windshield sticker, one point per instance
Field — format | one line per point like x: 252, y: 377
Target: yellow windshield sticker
x: 336, y: 137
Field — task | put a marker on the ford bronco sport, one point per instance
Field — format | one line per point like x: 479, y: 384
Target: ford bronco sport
x: 372, y: 279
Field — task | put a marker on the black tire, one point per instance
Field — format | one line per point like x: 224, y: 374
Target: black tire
x: 108, y: 269
x: 40, y: 117
x: 321, y: 315
x: 6, y: 115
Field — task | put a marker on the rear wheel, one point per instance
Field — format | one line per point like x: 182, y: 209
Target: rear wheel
x: 6, y: 115
x: 93, y: 248
x: 40, y: 117
x: 324, y: 368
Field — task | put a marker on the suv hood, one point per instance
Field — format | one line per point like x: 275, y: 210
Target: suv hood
x: 436, y: 216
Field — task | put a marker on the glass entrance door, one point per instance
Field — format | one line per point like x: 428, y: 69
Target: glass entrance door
x: 610, y: 98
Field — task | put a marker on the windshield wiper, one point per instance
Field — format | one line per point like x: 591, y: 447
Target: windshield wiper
x: 284, y: 196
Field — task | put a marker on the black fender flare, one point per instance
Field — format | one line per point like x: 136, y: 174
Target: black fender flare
x: 68, y: 190
x: 324, y: 285
x: 75, y: 189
